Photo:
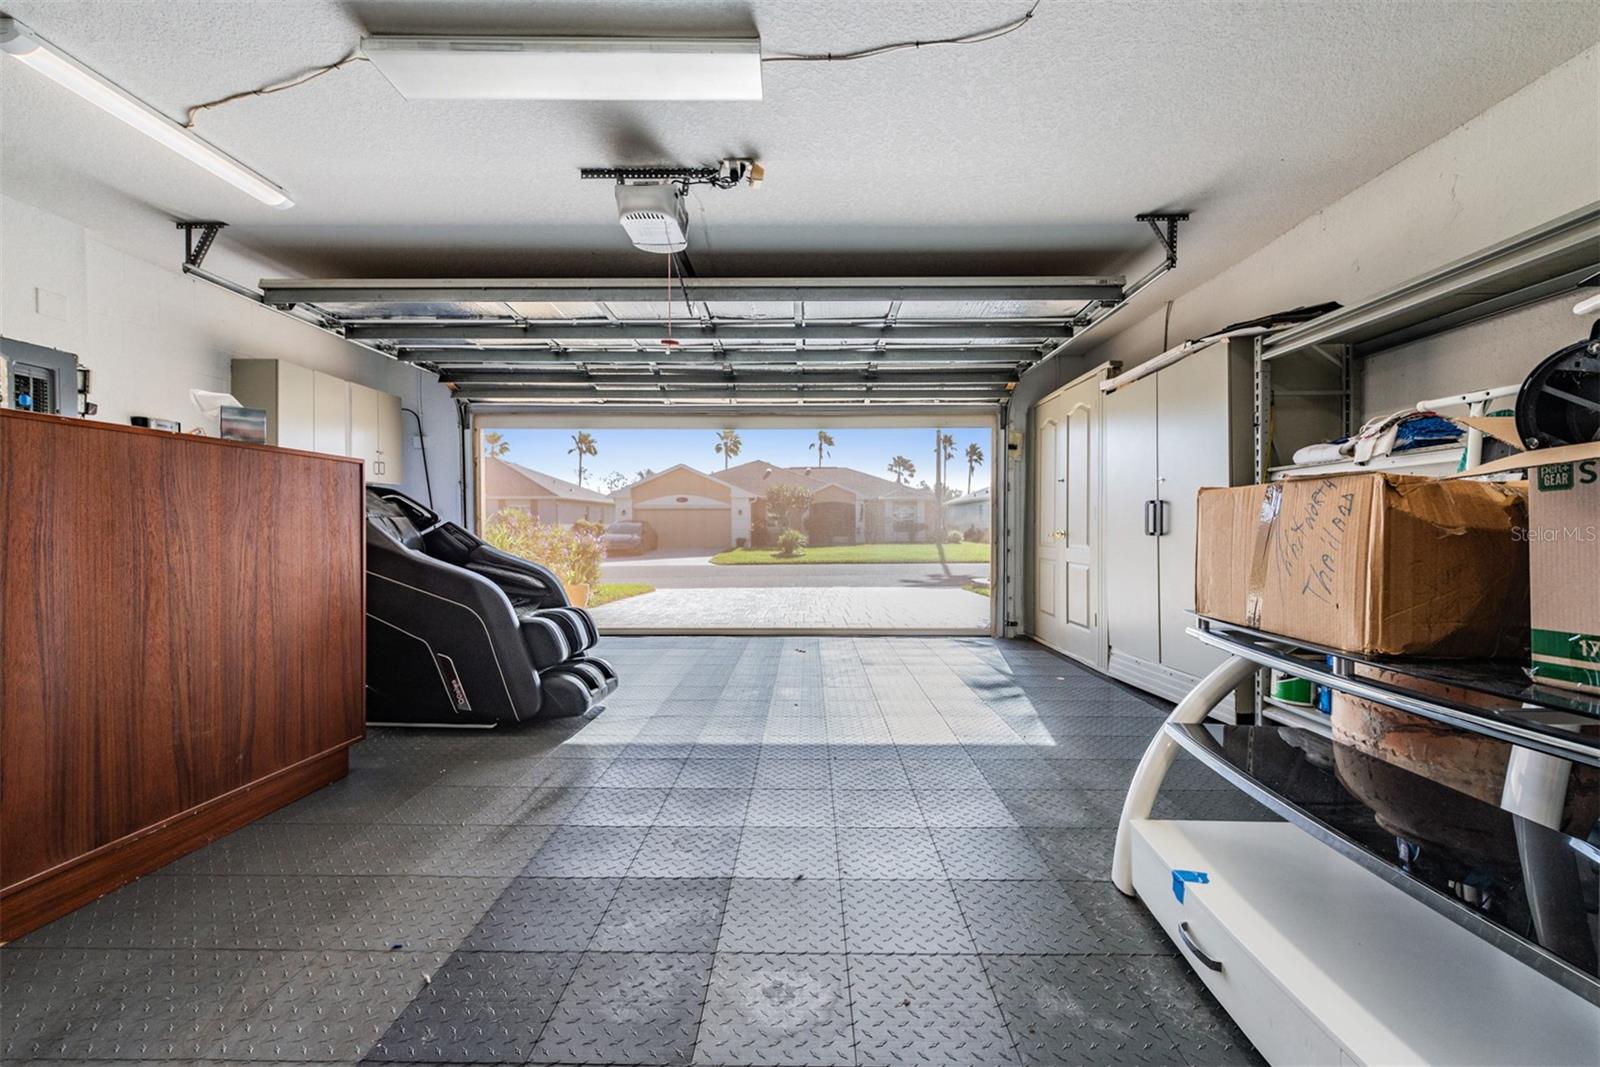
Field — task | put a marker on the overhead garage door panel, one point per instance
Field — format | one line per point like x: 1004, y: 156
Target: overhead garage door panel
x: 707, y: 528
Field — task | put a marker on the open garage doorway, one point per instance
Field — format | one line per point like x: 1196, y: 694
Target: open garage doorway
x: 760, y: 524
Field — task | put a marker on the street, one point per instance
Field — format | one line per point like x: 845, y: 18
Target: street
x: 675, y: 571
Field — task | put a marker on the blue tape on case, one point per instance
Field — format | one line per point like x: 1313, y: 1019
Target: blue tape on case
x: 1180, y: 877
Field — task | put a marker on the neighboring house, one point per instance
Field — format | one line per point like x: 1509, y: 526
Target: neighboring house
x: 544, y: 496
x: 847, y: 506
x: 688, y: 509
x: 970, y: 512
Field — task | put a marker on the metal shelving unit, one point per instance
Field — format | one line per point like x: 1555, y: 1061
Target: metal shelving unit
x: 1545, y: 262
x: 1320, y: 362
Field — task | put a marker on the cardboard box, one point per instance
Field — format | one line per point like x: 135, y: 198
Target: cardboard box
x: 1564, y: 569
x: 1563, y: 536
x: 1373, y: 564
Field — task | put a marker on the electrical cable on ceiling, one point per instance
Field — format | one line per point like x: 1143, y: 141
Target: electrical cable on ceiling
x: 976, y: 37
x: 274, y: 87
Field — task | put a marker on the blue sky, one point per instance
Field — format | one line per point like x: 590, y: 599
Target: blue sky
x: 628, y: 451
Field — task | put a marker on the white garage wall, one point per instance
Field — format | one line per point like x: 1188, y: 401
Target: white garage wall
x: 150, y: 333
x: 1531, y: 158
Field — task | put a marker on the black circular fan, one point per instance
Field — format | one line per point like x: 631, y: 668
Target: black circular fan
x: 1559, y: 404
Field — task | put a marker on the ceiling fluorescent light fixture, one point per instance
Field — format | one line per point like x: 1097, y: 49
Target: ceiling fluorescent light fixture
x: 21, y: 42
x: 569, y: 68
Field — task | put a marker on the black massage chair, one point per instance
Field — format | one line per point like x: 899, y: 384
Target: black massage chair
x: 462, y: 634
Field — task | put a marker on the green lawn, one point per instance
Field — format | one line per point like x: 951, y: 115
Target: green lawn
x: 959, y: 553
x: 974, y: 587
x: 610, y: 592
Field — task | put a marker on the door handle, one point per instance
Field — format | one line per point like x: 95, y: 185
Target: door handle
x: 1163, y: 513
x: 1150, y: 518
x: 1200, y: 954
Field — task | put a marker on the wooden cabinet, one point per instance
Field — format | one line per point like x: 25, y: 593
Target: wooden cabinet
x: 1168, y: 435
x: 181, y: 647
x: 321, y: 413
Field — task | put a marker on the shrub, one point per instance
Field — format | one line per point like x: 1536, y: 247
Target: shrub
x: 740, y: 542
x: 588, y: 526
x: 973, y: 533
x: 790, y: 543
x: 574, y: 553
x: 954, y: 537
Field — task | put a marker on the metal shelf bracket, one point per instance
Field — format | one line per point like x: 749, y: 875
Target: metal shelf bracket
x: 1164, y: 224
x: 195, y: 248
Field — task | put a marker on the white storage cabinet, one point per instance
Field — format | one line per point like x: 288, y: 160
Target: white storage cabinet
x: 1168, y: 435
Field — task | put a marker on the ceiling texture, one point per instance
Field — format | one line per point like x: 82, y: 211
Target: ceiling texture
x: 1023, y: 157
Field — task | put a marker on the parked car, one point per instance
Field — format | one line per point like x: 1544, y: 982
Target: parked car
x: 628, y: 538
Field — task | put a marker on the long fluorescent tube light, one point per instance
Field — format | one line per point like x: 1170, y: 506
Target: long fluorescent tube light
x: 67, y: 72
x: 569, y: 68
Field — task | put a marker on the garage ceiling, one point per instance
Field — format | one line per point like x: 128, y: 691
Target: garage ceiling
x: 1025, y: 155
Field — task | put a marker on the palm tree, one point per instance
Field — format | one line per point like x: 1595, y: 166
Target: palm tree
x: 824, y: 442
x: 944, y: 450
x: 728, y: 445
x: 584, y: 445
x: 902, y: 468
x: 495, y: 444
x: 974, y: 461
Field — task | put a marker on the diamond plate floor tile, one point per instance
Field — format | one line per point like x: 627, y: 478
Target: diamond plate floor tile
x: 777, y: 1009
x: 951, y: 773
x: 960, y: 807
x: 1024, y: 918
x: 876, y: 807
x: 704, y: 807
x: 1022, y: 773
x: 283, y: 912
x: 1075, y: 855
x: 998, y: 852
x: 782, y: 915
x: 787, y: 852
x: 617, y: 807
x: 129, y: 1004
x: 628, y: 773
x: 587, y: 852
x: 717, y: 773
x: 1190, y: 1016
x: 926, y: 1010
x: 336, y: 1006
x: 628, y: 1007
x: 869, y: 773
x: 663, y: 915
x: 687, y: 852
x: 774, y: 773
x: 1065, y: 807
x: 1123, y: 926
x: 789, y: 807
x: 562, y: 771
x: 896, y: 852
x: 543, y: 915
x: 903, y: 916
x: 479, y: 1007
x: 1078, y: 1010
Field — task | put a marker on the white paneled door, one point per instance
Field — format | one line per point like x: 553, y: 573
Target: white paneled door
x: 1066, y: 608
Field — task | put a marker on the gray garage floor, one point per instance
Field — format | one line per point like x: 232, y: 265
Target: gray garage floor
x: 766, y: 851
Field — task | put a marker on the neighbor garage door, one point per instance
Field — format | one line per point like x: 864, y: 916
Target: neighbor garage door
x: 706, y: 528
